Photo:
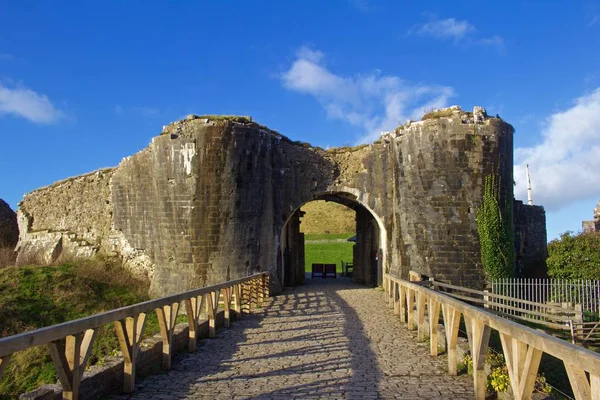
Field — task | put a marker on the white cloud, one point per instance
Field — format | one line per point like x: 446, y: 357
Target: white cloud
x: 374, y: 102
x: 460, y: 31
x: 6, y: 57
x: 565, y: 166
x: 26, y: 103
x: 449, y: 28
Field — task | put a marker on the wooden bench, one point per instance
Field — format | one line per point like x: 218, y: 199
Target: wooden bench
x: 330, y: 271
x: 318, y: 269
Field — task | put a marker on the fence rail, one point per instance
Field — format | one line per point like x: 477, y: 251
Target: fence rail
x: 522, y: 346
x: 561, y: 320
x: 70, y: 342
x: 558, y: 291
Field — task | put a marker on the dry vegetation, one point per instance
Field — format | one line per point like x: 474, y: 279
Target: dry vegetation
x: 436, y: 114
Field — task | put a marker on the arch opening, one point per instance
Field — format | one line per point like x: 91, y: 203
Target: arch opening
x: 369, y: 250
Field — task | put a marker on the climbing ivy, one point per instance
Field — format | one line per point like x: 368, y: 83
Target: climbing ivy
x: 494, y: 226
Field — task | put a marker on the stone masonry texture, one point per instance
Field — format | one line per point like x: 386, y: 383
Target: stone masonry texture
x: 208, y: 200
x: 9, y: 231
x: 323, y: 340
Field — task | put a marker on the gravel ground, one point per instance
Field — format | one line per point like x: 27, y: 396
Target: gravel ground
x: 325, y: 339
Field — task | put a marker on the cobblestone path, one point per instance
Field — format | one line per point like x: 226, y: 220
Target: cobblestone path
x: 325, y: 339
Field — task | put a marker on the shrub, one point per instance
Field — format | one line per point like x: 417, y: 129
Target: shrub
x: 574, y: 256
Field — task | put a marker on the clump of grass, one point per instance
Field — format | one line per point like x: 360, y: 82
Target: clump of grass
x: 32, y: 297
x: 437, y: 114
x: 235, y: 118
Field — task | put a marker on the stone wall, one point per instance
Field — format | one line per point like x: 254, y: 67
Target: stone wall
x: 208, y: 200
x: 9, y: 231
x: 594, y: 225
x: 70, y: 218
x: 531, y: 248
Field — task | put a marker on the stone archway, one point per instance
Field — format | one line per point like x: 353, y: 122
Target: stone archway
x: 369, y: 250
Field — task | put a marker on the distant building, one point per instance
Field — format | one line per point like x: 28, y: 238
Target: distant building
x: 592, y: 226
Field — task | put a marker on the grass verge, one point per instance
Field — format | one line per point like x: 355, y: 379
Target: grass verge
x: 327, y: 253
x: 32, y: 297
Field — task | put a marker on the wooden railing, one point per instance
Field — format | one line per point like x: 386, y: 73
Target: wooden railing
x: 70, y: 342
x: 561, y: 321
x: 522, y: 346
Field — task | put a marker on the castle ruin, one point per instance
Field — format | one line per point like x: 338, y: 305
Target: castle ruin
x: 215, y: 198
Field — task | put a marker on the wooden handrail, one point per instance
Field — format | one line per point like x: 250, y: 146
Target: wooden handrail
x: 522, y: 346
x: 71, y: 341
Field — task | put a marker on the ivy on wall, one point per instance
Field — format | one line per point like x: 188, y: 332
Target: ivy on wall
x: 495, y: 228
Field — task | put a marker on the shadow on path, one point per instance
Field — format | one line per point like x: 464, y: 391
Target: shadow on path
x: 325, y: 339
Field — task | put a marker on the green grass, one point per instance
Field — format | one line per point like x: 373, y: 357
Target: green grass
x: 33, y: 297
x: 327, y: 253
x: 326, y: 236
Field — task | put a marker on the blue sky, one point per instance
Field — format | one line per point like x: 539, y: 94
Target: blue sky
x: 84, y: 84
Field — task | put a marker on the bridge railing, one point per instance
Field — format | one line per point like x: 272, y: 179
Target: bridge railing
x: 70, y: 342
x: 522, y: 346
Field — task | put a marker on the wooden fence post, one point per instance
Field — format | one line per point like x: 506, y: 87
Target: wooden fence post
x: 478, y: 342
x: 166, y: 321
x: 522, y: 362
x: 212, y: 304
x: 4, y: 360
x: 193, y: 308
x: 451, y: 324
x: 70, y: 357
x: 129, y: 332
x: 227, y: 306
x: 434, y: 319
x: 421, y: 304
x: 410, y: 305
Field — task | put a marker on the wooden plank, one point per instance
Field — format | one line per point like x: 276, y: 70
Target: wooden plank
x: 130, y: 332
x: 410, y: 306
x: 266, y: 282
x: 434, y: 320
x: 237, y: 302
x: 4, y: 363
x: 421, y: 303
x: 227, y: 306
x: 193, y: 308
x: 451, y: 324
x: 479, y: 337
x: 595, y: 386
x: 396, y: 300
x: 211, y: 310
x: 402, y: 300
x: 167, y: 315
x: 558, y: 348
x: 70, y: 357
x: 22, y: 341
x: 522, y: 362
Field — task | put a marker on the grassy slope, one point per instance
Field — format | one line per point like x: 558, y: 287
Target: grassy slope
x: 327, y: 217
x: 33, y: 297
x: 327, y: 221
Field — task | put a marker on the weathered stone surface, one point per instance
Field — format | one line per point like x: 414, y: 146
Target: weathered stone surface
x: 9, y: 231
x: 531, y: 249
x: 210, y: 198
x: 594, y: 225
